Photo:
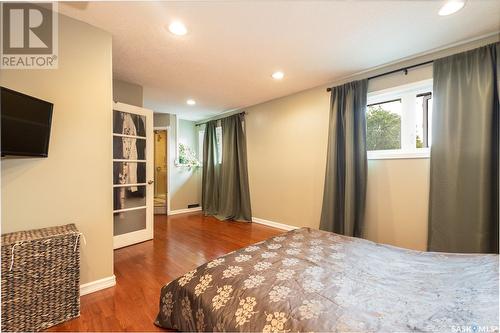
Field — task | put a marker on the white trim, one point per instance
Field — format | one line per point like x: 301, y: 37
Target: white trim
x: 398, y: 154
x: 182, y: 211
x: 92, y: 287
x: 274, y: 224
x: 129, y: 136
x: 132, y: 238
x: 128, y: 185
x: 125, y: 160
x: 129, y: 209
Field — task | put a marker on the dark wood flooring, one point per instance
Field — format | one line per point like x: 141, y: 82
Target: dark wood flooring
x: 181, y: 243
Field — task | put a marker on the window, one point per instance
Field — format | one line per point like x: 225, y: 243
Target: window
x: 201, y: 138
x: 218, y: 135
x: 218, y: 138
x: 383, y: 125
x: 398, y: 122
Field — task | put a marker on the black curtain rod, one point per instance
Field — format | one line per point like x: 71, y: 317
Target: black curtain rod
x: 244, y: 112
x: 404, y: 69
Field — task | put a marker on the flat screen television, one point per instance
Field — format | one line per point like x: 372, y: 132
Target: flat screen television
x: 25, y: 124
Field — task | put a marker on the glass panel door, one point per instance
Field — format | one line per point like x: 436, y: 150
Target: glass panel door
x: 132, y: 175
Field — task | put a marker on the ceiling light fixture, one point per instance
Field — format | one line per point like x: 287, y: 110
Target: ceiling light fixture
x: 451, y: 7
x: 177, y: 28
x: 278, y: 75
x: 191, y: 102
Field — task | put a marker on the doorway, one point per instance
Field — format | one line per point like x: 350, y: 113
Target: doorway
x: 161, y: 172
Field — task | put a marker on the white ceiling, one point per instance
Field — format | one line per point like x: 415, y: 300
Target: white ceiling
x: 232, y: 48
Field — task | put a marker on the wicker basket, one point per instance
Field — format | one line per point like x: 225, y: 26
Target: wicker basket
x: 41, y: 281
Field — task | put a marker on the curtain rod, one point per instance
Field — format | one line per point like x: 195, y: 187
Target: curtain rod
x: 404, y: 69
x: 198, y: 124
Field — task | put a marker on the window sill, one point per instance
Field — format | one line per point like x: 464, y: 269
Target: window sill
x: 398, y: 154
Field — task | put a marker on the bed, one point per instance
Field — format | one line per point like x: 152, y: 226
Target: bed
x: 308, y: 280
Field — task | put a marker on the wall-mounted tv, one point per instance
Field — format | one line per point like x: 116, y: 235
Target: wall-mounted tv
x: 25, y: 123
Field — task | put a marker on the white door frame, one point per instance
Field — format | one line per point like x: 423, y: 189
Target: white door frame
x: 167, y: 129
x: 144, y: 234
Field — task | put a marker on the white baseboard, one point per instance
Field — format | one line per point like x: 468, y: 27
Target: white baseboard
x: 97, y: 285
x: 182, y: 211
x: 274, y: 224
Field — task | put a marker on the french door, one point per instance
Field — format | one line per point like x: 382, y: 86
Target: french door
x: 132, y: 175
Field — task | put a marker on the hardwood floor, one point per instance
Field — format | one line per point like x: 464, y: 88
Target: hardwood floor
x: 181, y: 243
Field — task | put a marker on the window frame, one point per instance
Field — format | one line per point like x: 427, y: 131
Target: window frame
x: 201, y: 138
x: 408, y: 95
x: 426, y: 97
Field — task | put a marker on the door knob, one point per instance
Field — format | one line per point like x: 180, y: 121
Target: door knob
x: 150, y: 182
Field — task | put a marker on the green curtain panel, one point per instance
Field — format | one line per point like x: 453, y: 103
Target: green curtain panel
x: 463, y: 206
x: 210, y: 188
x: 225, y: 189
x: 346, y: 166
x: 235, y: 191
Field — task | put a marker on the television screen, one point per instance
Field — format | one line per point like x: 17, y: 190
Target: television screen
x: 26, y: 124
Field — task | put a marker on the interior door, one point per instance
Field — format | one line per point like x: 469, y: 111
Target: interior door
x: 132, y: 175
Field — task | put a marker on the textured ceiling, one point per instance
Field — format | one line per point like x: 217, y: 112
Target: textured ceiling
x: 232, y: 48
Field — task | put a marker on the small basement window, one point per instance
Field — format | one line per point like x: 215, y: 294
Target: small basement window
x: 218, y: 141
x: 399, y: 122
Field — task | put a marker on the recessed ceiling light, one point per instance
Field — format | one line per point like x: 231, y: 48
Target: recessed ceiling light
x: 278, y: 75
x: 451, y: 7
x: 190, y: 102
x: 177, y: 28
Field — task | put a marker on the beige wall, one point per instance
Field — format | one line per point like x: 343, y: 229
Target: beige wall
x: 161, y: 119
x: 287, y: 140
x: 397, y: 201
x: 127, y: 92
x: 72, y: 185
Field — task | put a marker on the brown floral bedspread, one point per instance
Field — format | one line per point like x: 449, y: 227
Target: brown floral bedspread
x: 310, y: 280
